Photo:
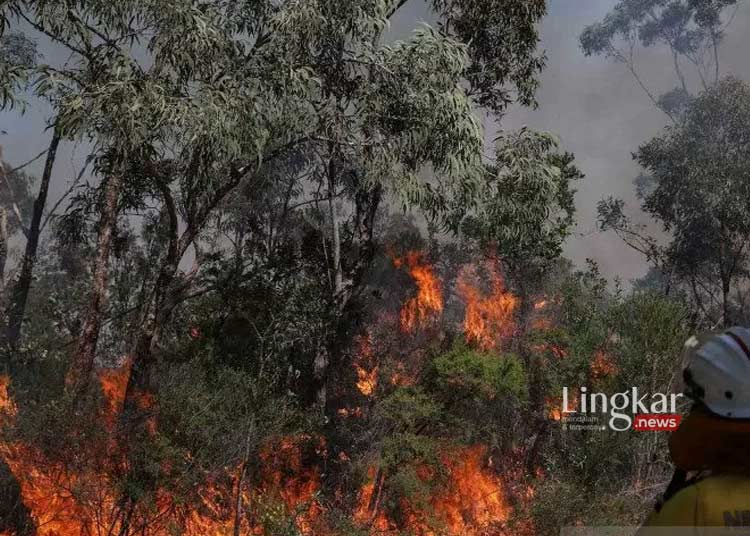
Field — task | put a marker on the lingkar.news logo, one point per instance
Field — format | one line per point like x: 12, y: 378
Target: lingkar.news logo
x: 623, y: 411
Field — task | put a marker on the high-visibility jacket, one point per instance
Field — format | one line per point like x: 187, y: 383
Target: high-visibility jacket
x: 716, y: 501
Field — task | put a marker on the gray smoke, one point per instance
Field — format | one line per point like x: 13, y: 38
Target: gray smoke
x: 594, y: 106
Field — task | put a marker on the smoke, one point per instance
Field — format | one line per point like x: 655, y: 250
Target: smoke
x: 599, y: 113
x: 593, y: 105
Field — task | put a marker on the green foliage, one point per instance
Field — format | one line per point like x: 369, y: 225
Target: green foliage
x: 464, y: 373
x: 706, y: 152
x: 408, y: 409
x: 275, y: 518
x: 600, y: 476
x: 502, y: 38
x: 17, y: 56
x: 698, y: 192
x: 691, y: 30
x: 686, y: 25
x: 527, y: 205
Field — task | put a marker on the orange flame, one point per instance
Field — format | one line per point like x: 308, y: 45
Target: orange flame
x: 6, y: 404
x: 83, y: 499
x: 426, y: 306
x: 489, y: 318
x: 472, y: 503
x: 114, y: 383
x: 603, y: 366
x: 555, y: 407
x: 367, y: 380
x: 475, y: 501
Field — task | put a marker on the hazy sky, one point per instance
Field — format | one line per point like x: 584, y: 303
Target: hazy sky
x: 595, y: 108
x: 600, y: 114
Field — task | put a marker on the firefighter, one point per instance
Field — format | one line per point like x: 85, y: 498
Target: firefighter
x: 712, y: 443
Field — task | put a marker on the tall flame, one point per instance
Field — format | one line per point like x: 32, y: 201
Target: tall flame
x: 82, y: 499
x: 6, y: 404
x: 426, y: 306
x: 367, y: 369
x: 471, y: 503
x: 489, y: 317
x: 475, y: 501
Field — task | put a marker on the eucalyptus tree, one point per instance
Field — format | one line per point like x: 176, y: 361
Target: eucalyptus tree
x: 15, y: 202
x: 690, y: 30
x: 260, y: 80
x: 700, y: 196
x: 389, y: 114
x: 18, y: 57
x: 527, y: 207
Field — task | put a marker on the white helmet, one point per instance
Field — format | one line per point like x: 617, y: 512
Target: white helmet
x: 717, y: 372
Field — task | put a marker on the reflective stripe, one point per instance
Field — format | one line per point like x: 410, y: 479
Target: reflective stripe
x: 740, y: 343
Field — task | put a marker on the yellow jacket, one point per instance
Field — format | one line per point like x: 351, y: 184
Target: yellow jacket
x: 717, y: 501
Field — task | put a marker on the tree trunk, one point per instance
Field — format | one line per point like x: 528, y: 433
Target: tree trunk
x: 3, y: 245
x: 20, y: 294
x: 338, y: 274
x: 323, y: 358
x: 726, y: 314
x: 83, y: 361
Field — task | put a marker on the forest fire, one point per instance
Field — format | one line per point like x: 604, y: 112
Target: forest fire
x: 474, y: 501
x: 602, y: 366
x: 426, y: 306
x: 471, y: 502
x: 82, y: 499
x: 366, y: 366
x: 85, y: 499
x: 490, y: 315
x: 6, y: 404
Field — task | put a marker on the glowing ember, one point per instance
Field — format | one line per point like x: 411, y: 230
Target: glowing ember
x: 401, y: 377
x: 489, y: 318
x: 426, y: 306
x: 351, y: 412
x: 366, y: 367
x: 602, y: 366
x: 557, y: 351
x: 6, y: 404
x: 367, y: 382
x: 555, y: 407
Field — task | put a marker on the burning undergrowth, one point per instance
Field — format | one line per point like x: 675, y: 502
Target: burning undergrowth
x: 419, y: 442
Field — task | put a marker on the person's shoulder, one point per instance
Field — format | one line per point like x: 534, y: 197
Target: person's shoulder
x: 678, y: 511
x: 723, y: 480
x: 723, y: 500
